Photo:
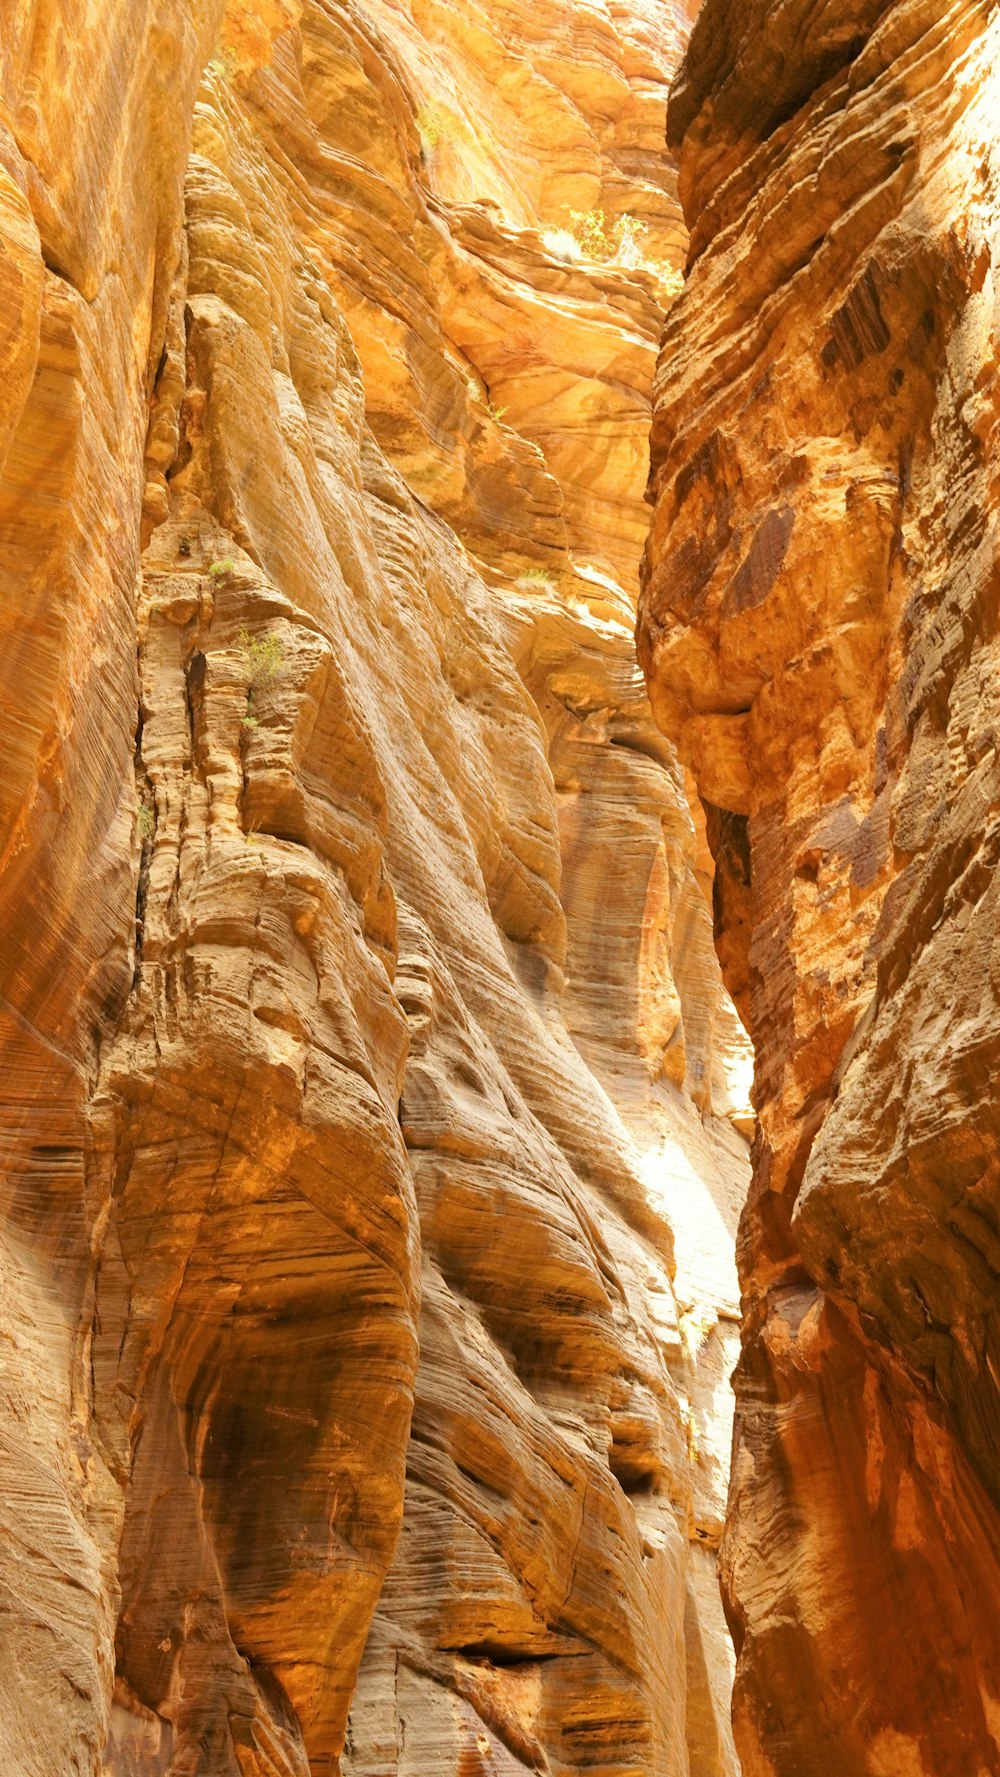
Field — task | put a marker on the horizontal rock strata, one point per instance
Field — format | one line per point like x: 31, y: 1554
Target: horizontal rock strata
x: 819, y: 635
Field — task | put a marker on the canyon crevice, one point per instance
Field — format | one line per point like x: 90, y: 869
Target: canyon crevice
x: 389, y: 882
x: 374, y: 1116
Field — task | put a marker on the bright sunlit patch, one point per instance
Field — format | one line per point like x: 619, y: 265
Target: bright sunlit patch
x: 562, y: 245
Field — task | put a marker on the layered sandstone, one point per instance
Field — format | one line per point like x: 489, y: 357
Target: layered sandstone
x: 372, y: 1105
x: 820, y: 636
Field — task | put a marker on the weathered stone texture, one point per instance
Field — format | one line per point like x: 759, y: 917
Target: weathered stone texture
x: 820, y: 638
x: 371, y: 1102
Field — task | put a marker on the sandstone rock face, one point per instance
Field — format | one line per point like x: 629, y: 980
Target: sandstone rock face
x: 820, y: 637
x: 372, y: 1106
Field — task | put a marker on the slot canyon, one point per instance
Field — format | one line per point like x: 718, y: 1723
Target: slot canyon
x: 499, y: 824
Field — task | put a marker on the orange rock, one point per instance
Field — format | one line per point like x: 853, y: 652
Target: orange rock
x: 371, y: 1100
x: 818, y: 632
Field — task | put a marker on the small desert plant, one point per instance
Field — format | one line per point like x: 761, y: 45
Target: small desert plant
x: 591, y: 231
x: 670, y: 280
x: 263, y: 657
x: 145, y: 821
x: 436, y: 124
x: 221, y: 569
x: 479, y: 392
x: 536, y: 580
x: 593, y: 237
x: 620, y: 242
x: 223, y: 64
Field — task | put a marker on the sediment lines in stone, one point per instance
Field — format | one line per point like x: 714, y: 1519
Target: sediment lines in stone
x: 369, y: 1086
x: 819, y: 634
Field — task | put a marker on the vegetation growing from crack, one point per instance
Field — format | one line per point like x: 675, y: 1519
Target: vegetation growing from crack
x: 479, y: 392
x: 223, y: 64
x: 436, y: 124
x: 263, y: 658
x: 596, y: 241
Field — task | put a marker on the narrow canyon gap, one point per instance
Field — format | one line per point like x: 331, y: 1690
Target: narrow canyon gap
x: 819, y: 633
x: 374, y: 1117
x: 373, y: 1106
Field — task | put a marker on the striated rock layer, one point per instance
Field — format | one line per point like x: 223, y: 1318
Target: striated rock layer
x: 371, y: 1103
x: 819, y: 631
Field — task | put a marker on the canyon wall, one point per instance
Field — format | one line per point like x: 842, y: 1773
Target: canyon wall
x: 373, y: 1114
x: 819, y: 631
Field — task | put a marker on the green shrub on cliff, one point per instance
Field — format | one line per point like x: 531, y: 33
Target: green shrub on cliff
x: 619, y: 242
x: 535, y: 580
x: 263, y: 657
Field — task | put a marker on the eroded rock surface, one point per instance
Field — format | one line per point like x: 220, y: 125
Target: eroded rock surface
x: 819, y: 633
x: 372, y: 1106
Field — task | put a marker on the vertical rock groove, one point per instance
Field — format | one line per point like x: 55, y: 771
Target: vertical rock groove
x: 818, y: 630
x: 374, y: 1119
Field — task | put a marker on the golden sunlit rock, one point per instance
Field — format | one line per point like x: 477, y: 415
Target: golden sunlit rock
x: 819, y: 635
x: 373, y: 1114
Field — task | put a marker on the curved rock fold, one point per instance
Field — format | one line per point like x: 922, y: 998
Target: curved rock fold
x: 373, y: 1111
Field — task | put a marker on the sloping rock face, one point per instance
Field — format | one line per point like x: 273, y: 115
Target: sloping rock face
x: 371, y: 1102
x: 819, y: 631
